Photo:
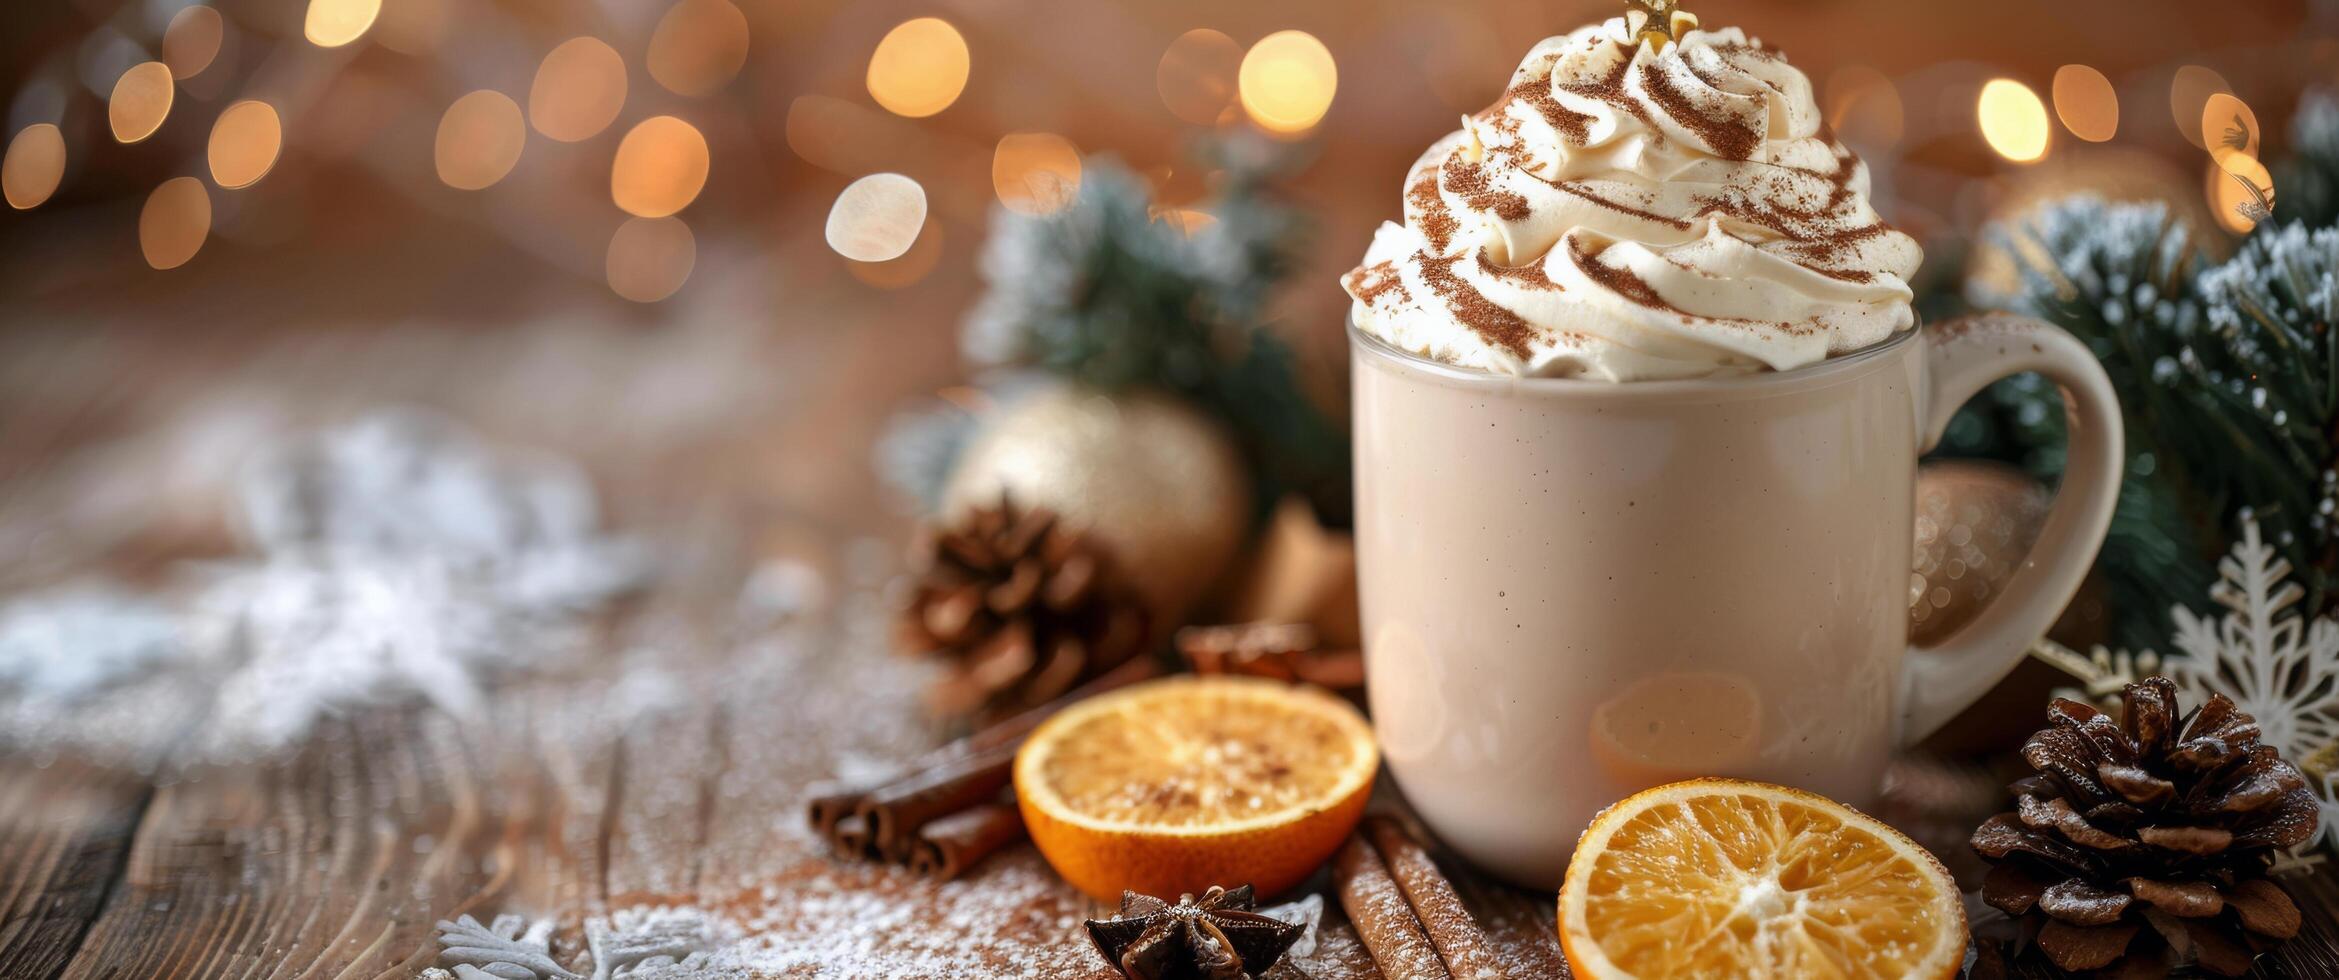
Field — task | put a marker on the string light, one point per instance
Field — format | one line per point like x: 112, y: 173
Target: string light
x: 661, y: 166
x: 333, y: 23
x: 877, y: 218
x: 1196, y: 76
x: 244, y: 143
x: 2230, y: 129
x: 2013, y: 119
x: 192, y: 41
x: 140, y: 102
x: 2087, y: 103
x: 34, y: 166
x: 919, y: 68
x: 910, y: 267
x: 2188, y: 93
x: 174, y: 223
x: 698, y: 46
x: 1865, y: 109
x: 479, y: 140
x: 578, y: 90
x: 1287, y: 81
x: 1035, y: 173
x: 650, y: 258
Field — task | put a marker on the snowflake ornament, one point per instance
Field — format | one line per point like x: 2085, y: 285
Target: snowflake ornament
x: 2274, y: 663
x: 2262, y: 652
x: 510, y: 949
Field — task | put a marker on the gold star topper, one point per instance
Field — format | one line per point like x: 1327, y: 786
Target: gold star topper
x: 1660, y: 22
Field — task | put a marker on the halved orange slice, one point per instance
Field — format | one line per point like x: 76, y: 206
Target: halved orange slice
x: 1729, y: 878
x: 1171, y: 786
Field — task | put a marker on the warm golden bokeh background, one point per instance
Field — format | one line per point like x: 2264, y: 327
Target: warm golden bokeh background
x: 602, y: 221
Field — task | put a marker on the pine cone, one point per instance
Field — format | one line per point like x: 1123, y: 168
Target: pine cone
x: 2142, y: 844
x: 1024, y: 609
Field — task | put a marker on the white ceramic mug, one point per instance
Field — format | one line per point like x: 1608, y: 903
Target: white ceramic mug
x: 1574, y: 590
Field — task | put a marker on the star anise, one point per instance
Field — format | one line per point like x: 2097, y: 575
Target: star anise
x: 1216, y: 937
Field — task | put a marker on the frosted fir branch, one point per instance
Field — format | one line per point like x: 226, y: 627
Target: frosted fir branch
x: 503, y: 950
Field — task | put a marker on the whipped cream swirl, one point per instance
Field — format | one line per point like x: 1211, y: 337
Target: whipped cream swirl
x: 1628, y: 211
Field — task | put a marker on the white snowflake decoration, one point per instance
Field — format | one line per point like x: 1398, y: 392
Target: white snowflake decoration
x: 2263, y: 653
x: 2266, y: 656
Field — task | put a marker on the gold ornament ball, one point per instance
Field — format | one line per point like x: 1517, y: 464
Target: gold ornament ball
x: 1156, y: 481
x: 1976, y: 522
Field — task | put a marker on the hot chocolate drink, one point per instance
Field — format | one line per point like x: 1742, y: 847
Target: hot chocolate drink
x: 1638, y: 403
x: 1632, y: 210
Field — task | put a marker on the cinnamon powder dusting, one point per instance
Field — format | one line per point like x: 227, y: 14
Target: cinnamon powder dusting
x: 1529, y: 276
x: 1374, y: 281
x: 1729, y: 139
x: 1490, y: 320
x: 1470, y: 181
x: 1622, y: 282
x: 1437, y: 224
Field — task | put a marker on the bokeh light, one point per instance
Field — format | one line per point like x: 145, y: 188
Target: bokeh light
x: 35, y: 164
x: 650, y: 258
x: 1035, y: 173
x: 907, y: 269
x: 1865, y: 109
x: 1287, y: 81
x: 919, y: 68
x: 479, y: 140
x: 412, y: 26
x: 140, y: 102
x: 174, y: 223
x: 2230, y: 129
x: 2227, y: 196
x: 2188, y: 93
x: 2013, y: 120
x: 578, y: 90
x: 244, y: 143
x: 698, y: 46
x: 2087, y: 103
x: 192, y: 40
x: 1196, y: 77
x: 877, y: 218
x: 333, y: 23
x: 661, y: 166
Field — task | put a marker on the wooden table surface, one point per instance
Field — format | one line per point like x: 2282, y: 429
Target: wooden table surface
x: 668, y: 768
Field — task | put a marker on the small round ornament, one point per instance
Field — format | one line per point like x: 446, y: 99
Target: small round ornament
x: 1976, y: 522
x: 1157, y: 482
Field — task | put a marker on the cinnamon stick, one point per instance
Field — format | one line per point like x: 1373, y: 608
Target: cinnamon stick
x: 947, y: 847
x: 1377, y: 908
x: 896, y: 810
x: 1451, y: 929
x: 850, y: 837
x: 880, y: 819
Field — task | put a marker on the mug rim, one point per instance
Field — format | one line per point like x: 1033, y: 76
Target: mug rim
x: 1843, y: 367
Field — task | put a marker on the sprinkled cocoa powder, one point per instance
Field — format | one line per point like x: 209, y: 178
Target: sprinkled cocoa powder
x: 1470, y: 181
x: 1374, y: 281
x: 1490, y: 320
x: 1529, y: 276
x: 1582, y: 190
x: 1622, y: 282
x: 1437, y: 224
x: 1573, y: 126
x: 1610, y: 90
x: 1728, y: 139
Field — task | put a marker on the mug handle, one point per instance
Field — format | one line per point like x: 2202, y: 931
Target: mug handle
x: 1961, y: 357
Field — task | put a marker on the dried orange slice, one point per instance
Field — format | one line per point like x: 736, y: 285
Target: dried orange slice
x: 1175, y: 785
x: 1729, y: 878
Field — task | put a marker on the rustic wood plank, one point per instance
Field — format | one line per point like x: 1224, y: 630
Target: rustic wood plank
x: 65, y: 831
x: 308, y: 867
